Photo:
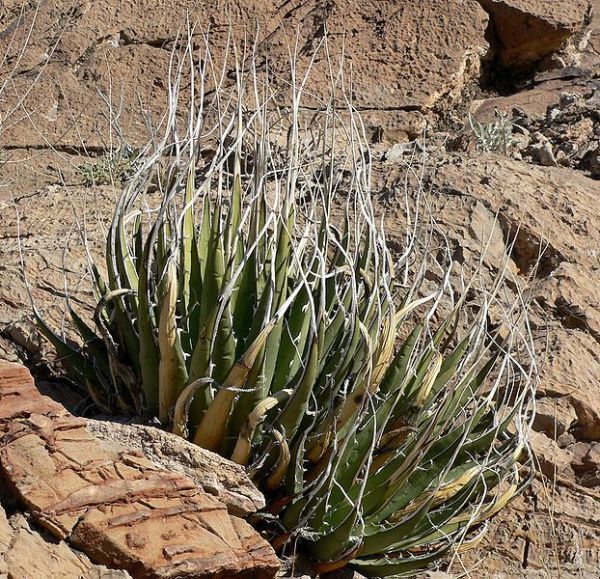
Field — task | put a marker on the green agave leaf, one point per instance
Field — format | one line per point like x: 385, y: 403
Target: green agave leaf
x: 209, y: 307
x: 138, y: 243
x: 233, y: 248
x: 91, y: 340
x: 293, y: 341
x: 398, y: 369
x: 71, y: 357
x: 246, y: 304
x: 120, y: 267
x: 148, y: 328
x: 400, y: 481
x: 293, y: 414
x: 337, y: 543
x: 205, y: 235
x: 294, y: 481
x: 188, y: 241
x: 248, y: 399
x: 401, y: 566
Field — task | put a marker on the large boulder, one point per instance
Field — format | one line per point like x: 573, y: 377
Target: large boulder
x: 123, y: 510
x: 214, y: 474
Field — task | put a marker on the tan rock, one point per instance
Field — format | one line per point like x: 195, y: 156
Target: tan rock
x: 216, y: 475
x: 552, y: 530
x: 571, y: 291
x: 553, y: 416
x: 528, y: 30
x: 548, y: 211
x: 585, y: 461
x: 533, y: 102
x: 553, y: 461
x: 401, y: 58
x: 572, y: 370
x: 120, y: 510
x: 24, y: 552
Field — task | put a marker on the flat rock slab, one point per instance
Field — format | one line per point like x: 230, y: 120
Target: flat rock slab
x: 122, y: 511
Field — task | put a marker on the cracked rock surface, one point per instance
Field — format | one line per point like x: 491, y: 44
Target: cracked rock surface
x: 122, y: 510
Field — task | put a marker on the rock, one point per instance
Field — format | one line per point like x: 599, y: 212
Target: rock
x: 344, y: 573
x: 572, y: 370
x: 528, y: 30
x: 585, y: 456
x: 542, y: 154
x: 548, y: 211
x: 571, y: 291
x: 566, y: 439
x: 547, y: 527
x: 26, y: 336
x: 214, y: 474
x: 395, y: 126
x: 564, y: 133
x: 24, y: 552
x: 595, y: 162
x: 553, y: 461
x: 585, y: 462
x: 402, y: 58
x: 528, y: 105
x: 553, y: 416
x: 122, y: 510
x: 589, y: 44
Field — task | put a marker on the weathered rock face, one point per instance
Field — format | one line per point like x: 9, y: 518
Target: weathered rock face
x: 528, y: 30
x: 543, y: 530
x: 572, y: 370
x: 215, y: 475
x: 401, y: 58
x: 25, y: 552
x: 530, y: 199
x: 554, y: 416
x: 121, y: 511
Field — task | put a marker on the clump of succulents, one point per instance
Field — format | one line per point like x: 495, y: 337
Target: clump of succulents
x: 249, y: 302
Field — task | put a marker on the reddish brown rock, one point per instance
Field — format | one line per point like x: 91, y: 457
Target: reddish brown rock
x: 211, y: 472
x: 123, y: 511
x: 528, y: 30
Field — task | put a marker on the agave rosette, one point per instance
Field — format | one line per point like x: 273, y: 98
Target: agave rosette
x: 250, y: 302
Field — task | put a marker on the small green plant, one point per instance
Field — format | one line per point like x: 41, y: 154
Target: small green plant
x: 112, y: 167
x: 252, y: 305
x: 493, y: 137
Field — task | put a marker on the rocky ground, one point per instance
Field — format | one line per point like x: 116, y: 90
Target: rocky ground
x: 498, y: 101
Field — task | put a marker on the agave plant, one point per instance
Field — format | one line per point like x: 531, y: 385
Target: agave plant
x: 249, y: 302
